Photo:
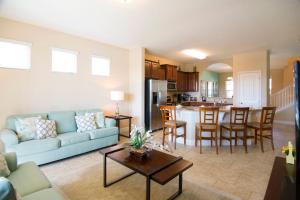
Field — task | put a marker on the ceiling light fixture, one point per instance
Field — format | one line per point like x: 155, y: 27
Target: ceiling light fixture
x: 125, y: 1
x: 194, y: 53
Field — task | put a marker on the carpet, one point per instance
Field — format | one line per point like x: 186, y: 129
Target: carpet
x: 80, y: 178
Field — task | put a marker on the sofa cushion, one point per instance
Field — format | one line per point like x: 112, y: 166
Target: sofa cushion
x: 11, y: 120
x: 46, y: 194
x: 103, y: 132
x: 73, y: 138
x: 65, y: 121
x: 34, y: 146
x: 26, y: 128
x: 28, y: 178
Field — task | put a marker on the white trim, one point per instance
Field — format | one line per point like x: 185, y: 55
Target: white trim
x: 284, y: 122
x: 16, y: 41
x: 65, y: 50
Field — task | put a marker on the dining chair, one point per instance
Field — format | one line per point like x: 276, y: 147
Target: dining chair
x: 170, y: 124
x: 238, y: 123
x: 208, y: 123
x: 265, y: 124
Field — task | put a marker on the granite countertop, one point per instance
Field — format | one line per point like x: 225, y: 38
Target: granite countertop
x: 222, y: 108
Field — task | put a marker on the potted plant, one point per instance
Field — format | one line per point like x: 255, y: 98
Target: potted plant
x: 140, y: 142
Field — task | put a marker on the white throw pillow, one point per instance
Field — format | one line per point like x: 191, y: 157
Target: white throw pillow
x: 85, y: 123
x: 45, y: 129
x: 4, y: 170
x: 99, y: 118
x: 26, y: 128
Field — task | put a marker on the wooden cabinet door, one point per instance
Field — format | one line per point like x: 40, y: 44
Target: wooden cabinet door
x: 162, y: 74
x: 180, y: 81
x: 148, y: 69
x: 155, y: 70
x: 169, y: 72
x: 174, y: 73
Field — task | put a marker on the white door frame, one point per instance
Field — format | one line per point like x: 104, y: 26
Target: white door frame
x: 238, y: 85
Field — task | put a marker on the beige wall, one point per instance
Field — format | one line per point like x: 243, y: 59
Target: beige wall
x: 288, y: 73
x: 40, y: 90
x: 277, y: 80
x: 222, y: 78
x: 253, y: 61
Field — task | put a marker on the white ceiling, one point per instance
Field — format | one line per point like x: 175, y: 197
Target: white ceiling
x: 219, y: 28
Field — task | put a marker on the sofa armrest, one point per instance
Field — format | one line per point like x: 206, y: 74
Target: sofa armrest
x: 110, y: 123
x: 11, y: 159
x: 8, y: 137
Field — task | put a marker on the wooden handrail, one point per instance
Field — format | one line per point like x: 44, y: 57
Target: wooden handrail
x: 283, y: 98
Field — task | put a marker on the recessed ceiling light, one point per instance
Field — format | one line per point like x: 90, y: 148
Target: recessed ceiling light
x: 194, y: 53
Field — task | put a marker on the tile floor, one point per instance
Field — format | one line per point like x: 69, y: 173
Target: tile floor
x: 240, y: 174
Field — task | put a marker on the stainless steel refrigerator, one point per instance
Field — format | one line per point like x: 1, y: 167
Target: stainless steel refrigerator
x: 155, y: 96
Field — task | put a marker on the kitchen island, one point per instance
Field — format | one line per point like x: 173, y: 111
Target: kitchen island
x: 191, y: 115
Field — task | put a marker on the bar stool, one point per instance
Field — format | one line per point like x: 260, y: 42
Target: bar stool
x: 238, y: 123
x: 208, y: 123
x: 168, y: 114
x: 265, y: 124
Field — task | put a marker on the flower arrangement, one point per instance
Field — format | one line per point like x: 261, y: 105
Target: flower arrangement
x: 139, y: 137
x: 142, y: 142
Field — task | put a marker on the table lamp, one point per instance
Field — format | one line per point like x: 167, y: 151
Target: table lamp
x: 117, y: 96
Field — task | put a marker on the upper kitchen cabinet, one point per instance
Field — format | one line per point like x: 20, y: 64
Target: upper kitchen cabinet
x: 171, y: 72
x: 181, y: 81
x: 154, y: 70
x: 148, y: 69
x: 193, y: 81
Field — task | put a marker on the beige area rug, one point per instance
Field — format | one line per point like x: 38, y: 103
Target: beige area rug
x: 81, y: 178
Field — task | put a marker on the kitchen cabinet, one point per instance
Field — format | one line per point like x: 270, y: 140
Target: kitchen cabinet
x: 171, y: 72
x: 181, y: 81
x: 193, y: 83
x: 154, y: 70
x: 148, y: 69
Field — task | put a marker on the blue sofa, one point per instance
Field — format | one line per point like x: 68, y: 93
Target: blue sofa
x: 68, y: 142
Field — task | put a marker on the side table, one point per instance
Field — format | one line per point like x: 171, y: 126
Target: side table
x: 118, y: 118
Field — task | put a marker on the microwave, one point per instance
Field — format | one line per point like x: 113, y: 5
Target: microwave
x: 172, y: 86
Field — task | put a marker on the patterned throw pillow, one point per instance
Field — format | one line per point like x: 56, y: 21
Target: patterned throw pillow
x: 45, y: 129
x: 25, y: 128
x: 85, y: 123
x: 99, y: 118
x: 4, y: 171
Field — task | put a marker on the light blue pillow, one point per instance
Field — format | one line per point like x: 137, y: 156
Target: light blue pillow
x: 25, y: 128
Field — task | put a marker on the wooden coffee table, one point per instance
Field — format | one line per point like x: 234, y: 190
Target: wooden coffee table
x: 158, y: 166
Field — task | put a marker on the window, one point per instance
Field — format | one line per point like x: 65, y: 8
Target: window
x: 14, y: 54
x: 100, y: 66
x: 229, y: 87
x: 64, y: 61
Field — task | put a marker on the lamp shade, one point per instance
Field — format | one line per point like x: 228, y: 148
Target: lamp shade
x: 117, y: 95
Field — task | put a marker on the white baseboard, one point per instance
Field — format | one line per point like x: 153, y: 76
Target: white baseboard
x: 284, y: 122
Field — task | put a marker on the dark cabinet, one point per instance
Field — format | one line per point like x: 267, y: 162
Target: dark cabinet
x: 154, y: 70
x: 171, y: 72
x: 187, y: 81
x: 193, y: 81
x: 148, y: 69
